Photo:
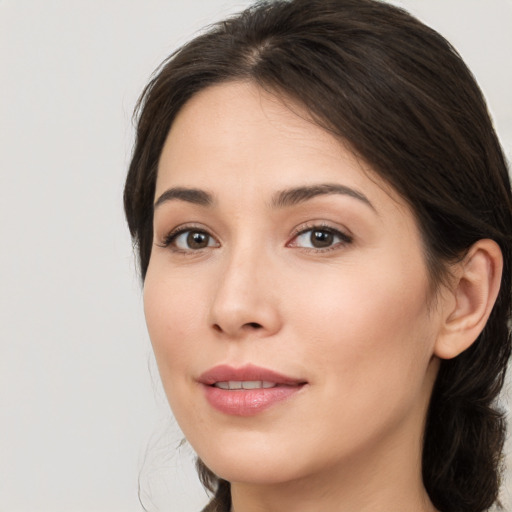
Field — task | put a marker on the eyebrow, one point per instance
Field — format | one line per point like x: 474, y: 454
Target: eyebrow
x: 297, y: 195
x: 282, y: 199
x: 190, y: 195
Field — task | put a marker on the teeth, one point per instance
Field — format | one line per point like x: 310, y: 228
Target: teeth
x: 246, y: 384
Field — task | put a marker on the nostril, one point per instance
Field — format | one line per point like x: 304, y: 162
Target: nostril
x: 249, y: 326
x: 254, y: 325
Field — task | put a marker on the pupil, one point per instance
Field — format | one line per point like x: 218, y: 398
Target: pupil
x: 197, y: 240
x: 321, y: 238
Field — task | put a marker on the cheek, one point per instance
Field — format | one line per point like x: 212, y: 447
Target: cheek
x: 371, y: 328
x: 367, y: 340
x: 173, y: 313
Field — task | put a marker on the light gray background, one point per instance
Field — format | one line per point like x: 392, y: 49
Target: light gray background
x: 79, y: 392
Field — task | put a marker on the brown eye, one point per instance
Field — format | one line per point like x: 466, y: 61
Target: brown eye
x: 190, y: 240
x: 320, y: 239
x: 197, y: 240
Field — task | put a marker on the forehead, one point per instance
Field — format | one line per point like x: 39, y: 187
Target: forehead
x: 237, y: 132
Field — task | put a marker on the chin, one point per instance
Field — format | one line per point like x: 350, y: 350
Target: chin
x: 258, y: 463
x: 257, y: 459
x: 259, y: 471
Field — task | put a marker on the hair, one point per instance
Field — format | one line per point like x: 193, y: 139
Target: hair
x: 402, y: 98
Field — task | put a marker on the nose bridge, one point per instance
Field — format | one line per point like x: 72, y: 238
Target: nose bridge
x: 244, y: 300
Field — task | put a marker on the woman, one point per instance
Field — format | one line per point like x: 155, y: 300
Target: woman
x: 323, y: 217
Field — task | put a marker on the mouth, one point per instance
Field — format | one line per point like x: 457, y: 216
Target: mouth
x: 248, y: 390
x: 245, y: 384
x: 246, y: 377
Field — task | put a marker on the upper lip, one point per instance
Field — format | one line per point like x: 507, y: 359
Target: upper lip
x: 249, y: 372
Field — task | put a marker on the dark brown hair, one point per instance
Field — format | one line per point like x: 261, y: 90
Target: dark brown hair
x: 403, y: 99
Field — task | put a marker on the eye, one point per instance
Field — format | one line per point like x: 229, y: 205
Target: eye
x: 320, y: 237
x: 189, y: 240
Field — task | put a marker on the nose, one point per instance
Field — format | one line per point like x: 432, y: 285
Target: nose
x: 246, y: 302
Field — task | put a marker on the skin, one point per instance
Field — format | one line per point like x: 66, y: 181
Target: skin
x: 353, y: 319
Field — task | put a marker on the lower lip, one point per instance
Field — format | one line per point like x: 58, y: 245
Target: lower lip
x: 247, y: 402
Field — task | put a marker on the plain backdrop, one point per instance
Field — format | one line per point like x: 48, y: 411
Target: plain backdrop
x: 80, y: 399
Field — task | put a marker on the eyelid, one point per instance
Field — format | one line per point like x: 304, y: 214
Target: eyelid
x: 167, y: 240
x: 345, y: 236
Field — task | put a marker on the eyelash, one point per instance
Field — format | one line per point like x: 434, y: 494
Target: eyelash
x: 345, y: 239
x: 171, y: 237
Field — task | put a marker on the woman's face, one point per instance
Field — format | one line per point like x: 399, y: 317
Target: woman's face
x: 283, y: 266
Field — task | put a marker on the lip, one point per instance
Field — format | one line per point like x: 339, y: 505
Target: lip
x: 247, y: 402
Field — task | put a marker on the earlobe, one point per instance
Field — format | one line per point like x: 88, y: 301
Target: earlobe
x: 474, y: 292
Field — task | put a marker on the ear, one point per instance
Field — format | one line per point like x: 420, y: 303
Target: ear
x: 471, y: 298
